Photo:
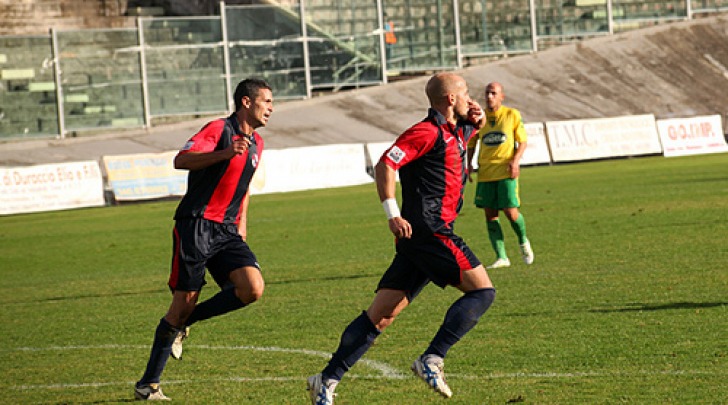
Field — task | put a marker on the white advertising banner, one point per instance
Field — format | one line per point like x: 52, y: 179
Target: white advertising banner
x: 375, y: 150
x: 537, y: 148
x: 144, y: 176
x: 308, y: 168
x: 630, y: 135
x: 537, y: 151
x: 692, y: 136
x: 50, y: 187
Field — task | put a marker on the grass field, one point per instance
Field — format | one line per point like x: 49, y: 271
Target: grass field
x: 627, y: 301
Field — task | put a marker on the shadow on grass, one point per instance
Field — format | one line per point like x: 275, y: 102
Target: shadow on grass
x: 106, y: 401
x: 636, y: 307
x: 83, y: 296
x: 330, y: 278
x: 162, y: 290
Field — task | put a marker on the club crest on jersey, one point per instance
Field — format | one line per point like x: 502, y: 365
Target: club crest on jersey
x: 396, y: 154
x: 494, y: 138
x: 188, y: 145
x: 254, y: 160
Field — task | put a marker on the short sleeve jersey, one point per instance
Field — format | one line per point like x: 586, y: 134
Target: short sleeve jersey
x: 430, y: 158
x: 216, y: 192
x: 498, y: 137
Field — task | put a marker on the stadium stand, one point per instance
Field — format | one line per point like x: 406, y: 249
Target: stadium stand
x: 102, y: 77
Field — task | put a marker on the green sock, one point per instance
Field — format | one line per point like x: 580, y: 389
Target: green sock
x: 495, y: 233
x: 519, y: 225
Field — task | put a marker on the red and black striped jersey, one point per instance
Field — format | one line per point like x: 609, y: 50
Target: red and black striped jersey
x: 216, y: 192
x: 430, y: 158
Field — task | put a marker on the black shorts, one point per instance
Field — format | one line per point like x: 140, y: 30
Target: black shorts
x: 200, y: 243
x: 433, y: 257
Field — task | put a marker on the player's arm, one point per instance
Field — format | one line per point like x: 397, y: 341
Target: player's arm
x: 243, y: 224
x: 469, y: 162
x: 472, y: 145
x: 386, y: 179
x: 520, y: 138
x: 515, y: 164
x: 196, y: 160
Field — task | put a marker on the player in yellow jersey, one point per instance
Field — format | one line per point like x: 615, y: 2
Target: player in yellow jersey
x: 502, y: 142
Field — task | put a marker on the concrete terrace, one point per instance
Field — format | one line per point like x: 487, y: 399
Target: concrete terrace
x: 671, y: 70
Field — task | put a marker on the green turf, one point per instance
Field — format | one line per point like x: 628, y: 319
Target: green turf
x: 627, y: 301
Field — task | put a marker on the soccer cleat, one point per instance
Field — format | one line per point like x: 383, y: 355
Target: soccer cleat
x: 177, y: 344
x: 500, y: 263
x: 527, y: 252
x: 321, y: 393
x: 430, y: 369
x: 149, y: 392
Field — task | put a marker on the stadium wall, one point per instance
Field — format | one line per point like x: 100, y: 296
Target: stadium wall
x: 151, y: 176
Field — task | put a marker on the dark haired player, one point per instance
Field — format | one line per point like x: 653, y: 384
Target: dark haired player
x: 210, y: 226
x: 430, y: 158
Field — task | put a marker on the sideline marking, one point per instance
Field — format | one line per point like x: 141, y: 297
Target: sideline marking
x: 386, y: 371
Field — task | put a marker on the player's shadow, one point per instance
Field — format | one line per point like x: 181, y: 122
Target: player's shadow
x: 639, y: 307
x: 83, y: 296
x: 328, y: 278
x: 106, y: 401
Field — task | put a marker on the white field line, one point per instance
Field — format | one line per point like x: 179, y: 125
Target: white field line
x: 383, y: 368
x: 385, y: 371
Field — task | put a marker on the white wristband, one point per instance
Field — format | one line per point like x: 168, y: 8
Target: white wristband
x: 391, y: 208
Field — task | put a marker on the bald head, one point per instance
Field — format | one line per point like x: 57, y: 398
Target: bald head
x: 448, y: 95
x: 494, y: 96
x: 494, y: 86
x: 443, y: 84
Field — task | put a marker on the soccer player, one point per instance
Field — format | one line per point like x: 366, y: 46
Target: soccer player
x: 210, y: 226
x: 430, y: 158
x: 502, y: 143
x: 390, y: 37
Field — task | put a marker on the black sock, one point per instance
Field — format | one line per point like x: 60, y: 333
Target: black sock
x: 462, y: 316
x: 161, y: 348
x: 355, y: 341
x: 220, y: 303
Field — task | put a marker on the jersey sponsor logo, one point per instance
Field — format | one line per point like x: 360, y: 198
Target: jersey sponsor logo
x: 188, y: 145
x: 396, y: 154
x: 494, y: 138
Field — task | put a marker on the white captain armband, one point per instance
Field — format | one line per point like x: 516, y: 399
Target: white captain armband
x: 391, y: 208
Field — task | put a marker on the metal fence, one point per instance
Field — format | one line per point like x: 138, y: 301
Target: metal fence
x: 71, y: 81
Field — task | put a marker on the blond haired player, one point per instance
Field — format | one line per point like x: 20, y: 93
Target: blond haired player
x: 502, y: 141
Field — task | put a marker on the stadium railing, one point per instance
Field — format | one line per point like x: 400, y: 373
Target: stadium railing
x: 105, y: 79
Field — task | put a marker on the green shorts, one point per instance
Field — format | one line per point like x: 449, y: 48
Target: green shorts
x: 497, y: 194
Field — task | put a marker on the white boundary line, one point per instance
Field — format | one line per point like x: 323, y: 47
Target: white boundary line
x: 385, y: 371
x: 383, y: 368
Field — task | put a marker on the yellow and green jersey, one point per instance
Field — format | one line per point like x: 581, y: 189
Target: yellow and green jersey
x: 498, y: 137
